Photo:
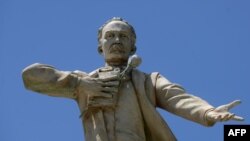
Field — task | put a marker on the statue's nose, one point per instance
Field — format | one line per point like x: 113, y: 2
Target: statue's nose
x: 117, y: 38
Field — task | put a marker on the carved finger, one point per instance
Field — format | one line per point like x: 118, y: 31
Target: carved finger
x: 227, y: 117
x: 233, y: 104
x: 231, y: 116
x: 110, y: 84
x: 103, y: 94
x: 109, y: 89
x: 111, y: 78
x: 98, y: 87
x: 92, y: 79
x: 238, y: 118
x: 100, y: 83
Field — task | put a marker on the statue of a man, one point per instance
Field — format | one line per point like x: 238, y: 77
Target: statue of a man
x: 117, y: 101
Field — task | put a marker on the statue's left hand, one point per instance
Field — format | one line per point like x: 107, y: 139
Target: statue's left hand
x: 222, y: 113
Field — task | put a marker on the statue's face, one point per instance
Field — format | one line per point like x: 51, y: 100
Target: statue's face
x: 116, y: 43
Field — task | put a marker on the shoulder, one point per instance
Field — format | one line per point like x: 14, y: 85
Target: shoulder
x: 139, y: 73
x: 79, y: 73
x: 93, y: 73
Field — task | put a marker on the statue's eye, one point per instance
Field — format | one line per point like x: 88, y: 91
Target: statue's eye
x: 123, y: 36
x: 109, y: 35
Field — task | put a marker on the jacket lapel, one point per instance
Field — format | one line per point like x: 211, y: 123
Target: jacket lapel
x: 156, y: 129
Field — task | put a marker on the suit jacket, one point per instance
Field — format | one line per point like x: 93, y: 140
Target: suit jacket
x: 179, y: 103
x: 152, y: 91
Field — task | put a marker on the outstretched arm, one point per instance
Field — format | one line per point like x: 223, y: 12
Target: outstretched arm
x: 174, y: 99
x: 48, y: 80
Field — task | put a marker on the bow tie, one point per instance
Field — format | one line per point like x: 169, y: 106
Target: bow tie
x: 109, y: 70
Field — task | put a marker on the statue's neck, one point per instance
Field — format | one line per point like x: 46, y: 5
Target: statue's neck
x: 116, y: 64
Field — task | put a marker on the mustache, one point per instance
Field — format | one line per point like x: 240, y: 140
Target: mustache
x: 116, y: 47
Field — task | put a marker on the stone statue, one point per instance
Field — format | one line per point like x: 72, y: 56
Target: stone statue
x: 118, y: 102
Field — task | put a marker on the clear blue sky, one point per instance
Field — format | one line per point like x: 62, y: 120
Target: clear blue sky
x: 202, y: 45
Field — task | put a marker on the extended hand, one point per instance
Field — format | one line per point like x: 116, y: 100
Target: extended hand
x: 222, y: 113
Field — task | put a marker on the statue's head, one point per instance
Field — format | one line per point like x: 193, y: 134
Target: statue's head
x: 116, y: 41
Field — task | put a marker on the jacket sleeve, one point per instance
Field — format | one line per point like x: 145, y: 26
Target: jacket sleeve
x: 46, y: 79
x: 173, y: 98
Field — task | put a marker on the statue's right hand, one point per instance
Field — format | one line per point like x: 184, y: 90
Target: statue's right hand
x: 99, y: 87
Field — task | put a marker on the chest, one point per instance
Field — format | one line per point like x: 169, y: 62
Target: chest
x: 125, y: 122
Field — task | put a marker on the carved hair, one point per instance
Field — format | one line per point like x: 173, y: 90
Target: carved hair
x: 116, y: 19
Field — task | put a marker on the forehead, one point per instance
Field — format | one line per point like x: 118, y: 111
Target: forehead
x: 116, y: 26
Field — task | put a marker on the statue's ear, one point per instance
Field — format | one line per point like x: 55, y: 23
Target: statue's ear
x: 133, y: 50
x: 99, y: 49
